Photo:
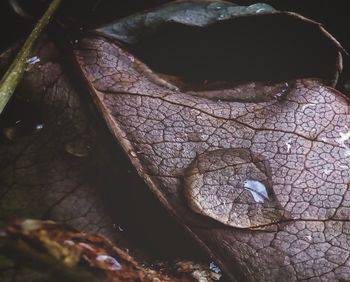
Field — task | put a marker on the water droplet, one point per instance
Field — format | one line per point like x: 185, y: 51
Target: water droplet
x: 216, y: 6
x: 260, y: 8
x: 133, y: 154
x: 289, y: 145
x: 214, y: 268
x: 308, y: 106
x: 257, y: 189
x: 309, y: 237
x: 221, y: 17
x: 118, y: 227
x: 347, y: 152
x: 33, y: 60
x: 344, y: 136
x: 78, y: 148
x: 232, y: 186
x: 39, y: 126
x: 109, y: 263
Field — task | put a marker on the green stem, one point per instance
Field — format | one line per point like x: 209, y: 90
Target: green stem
x: 15, y: 72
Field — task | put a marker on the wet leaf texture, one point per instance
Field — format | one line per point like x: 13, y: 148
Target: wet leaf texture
x: 303, y: 139
x: 228, y: 168
x: 232, y: 186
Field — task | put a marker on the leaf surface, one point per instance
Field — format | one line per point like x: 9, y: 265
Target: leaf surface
x: 190, y: 149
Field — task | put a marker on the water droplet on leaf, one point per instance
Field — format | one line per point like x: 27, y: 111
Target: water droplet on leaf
x: 257, y: 189
x: 213, y: 267
x: 33, y: 60
x: 78, y: 148
x: 232, y: 186
x: 216, y: 6
x: 39, y: 126
x: 133, y: 154
x: 109, y: 263
x: 221, y: 17
x: 260, y: 8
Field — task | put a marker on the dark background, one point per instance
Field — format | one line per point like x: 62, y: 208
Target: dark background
x: 334, y: 14
x: 72, y: 15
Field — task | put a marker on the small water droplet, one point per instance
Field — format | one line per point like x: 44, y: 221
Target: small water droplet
x: 257, y: 189
x: 221, y: 17
x: 214, y: 268
x: 109, y: 263
x: 39, y: 126
x: 232, y: 186
x: 78, y: 148
x: 33, y: 60
x: 344, y: 136
x: 118, y: 227
x: 261, y: 10
x: 279, y: 95
x: 347, y: 152
x: 133, y: 154
x: 308, y: 106
x: 289, y: 145
x: 216, y: 6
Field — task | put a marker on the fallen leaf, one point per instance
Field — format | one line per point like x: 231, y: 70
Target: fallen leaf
x: 298, y: 141
x: 69, y: 255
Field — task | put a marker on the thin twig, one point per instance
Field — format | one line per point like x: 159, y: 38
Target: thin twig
x: 15, y: 72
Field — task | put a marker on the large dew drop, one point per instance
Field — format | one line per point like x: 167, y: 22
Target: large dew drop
x: 232, y: 186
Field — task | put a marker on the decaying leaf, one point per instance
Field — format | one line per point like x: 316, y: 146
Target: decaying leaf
x: 219, y: 118
x: 298, y: 141
x: 72, y: 256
